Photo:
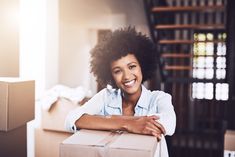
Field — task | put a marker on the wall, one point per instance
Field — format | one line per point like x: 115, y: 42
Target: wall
x: 9, y: 38
x: 52, y: 46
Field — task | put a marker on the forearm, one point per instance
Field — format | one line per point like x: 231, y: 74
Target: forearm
x: 104, y: 122
x: 140, y: 125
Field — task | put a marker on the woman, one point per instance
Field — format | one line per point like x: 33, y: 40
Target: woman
x: 124, y: 60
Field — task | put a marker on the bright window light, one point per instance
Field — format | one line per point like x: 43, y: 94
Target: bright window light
x: 221, y: 91
x: 208, y: 66
x: 33, y: 42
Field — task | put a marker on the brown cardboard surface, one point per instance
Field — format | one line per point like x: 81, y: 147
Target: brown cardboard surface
x: 229, y: 140
x: 92, y: 143
x: 54, y: 119
x: 17, y: 100
x: 14, y: 143
x: 47, y: 142
x: 135, y: 145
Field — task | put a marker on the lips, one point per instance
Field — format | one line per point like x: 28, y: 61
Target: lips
x: 129, y: 84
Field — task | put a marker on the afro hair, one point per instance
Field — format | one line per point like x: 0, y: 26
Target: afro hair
x: 120, y: 43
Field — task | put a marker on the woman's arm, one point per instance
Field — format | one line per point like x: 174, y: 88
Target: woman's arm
x: 140, y: 125
x: 92, y: 107
x: 166, y: 112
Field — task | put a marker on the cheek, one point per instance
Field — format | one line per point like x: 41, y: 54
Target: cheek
x: 116, y: 78
x: 140, y: 74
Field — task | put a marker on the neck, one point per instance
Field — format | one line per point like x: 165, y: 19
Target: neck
x: 131, y: 99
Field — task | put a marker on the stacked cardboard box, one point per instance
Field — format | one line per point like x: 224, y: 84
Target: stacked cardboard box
x: 47, y: 142
x: 92, y: 143
x: 52, y: 131
x: 229, y: 143
x: 17, y: 99
x: 14, y: 142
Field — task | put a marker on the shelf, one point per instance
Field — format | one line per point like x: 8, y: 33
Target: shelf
x: 191, y: 26
x: 177, y: 67
x: 176, y: 55
x: 184, y: 55
x: 192, y: 80
x: 188, y: 41
x: 188, y: 8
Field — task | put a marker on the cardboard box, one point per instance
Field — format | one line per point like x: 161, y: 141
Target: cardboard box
x: 47, y: 142
x: 14, y: 143
x: 54, y: 119
x: 91, y: 143
x: 17, y: 100
x: 229, y: 140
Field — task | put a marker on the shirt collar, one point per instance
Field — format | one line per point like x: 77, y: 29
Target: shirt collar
x: 116, y: 99
x: 117, y: 103
x: 142, y: 100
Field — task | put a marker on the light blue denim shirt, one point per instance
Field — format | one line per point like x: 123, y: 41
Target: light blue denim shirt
x: 109, y: 102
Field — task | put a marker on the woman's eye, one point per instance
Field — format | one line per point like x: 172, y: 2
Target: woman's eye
x: 117, y: 71
x: 132, y: 66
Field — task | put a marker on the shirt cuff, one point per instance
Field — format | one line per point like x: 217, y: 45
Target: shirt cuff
x: 71, y: 119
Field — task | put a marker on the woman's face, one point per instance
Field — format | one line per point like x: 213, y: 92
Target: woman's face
x: 127, y: 74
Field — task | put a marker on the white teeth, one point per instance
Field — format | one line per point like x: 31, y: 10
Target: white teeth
x: 129, y: 83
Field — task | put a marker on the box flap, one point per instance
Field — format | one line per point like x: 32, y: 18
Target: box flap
x: 12, y: 79
x: 89, y: 138
x: 135, y: 142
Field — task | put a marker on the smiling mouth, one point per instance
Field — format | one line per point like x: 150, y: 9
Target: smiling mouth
x: 129, y: 83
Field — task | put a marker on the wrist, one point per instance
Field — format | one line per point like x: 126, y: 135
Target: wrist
x: 127, y: 125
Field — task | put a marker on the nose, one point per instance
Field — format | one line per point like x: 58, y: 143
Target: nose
x: 126, y: 74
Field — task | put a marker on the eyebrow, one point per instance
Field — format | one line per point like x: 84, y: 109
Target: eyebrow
x: 132, y: 63
x: 115, y: 68
x: 127, y: 64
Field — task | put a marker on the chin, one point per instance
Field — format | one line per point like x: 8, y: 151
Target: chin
x: 131, y: 91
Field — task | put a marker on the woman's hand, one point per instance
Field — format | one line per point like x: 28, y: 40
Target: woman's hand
x: 146, y: 125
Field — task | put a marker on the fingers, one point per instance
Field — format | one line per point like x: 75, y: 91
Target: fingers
x: 154, y: 127
x: 154, y: 117
x: 159, y: 126
x: 154, y: 133
x: 147, y: 125
x: 158, y: 136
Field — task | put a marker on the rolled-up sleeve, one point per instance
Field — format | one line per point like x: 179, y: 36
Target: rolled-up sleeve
x: 92, y: 107
x: 166, y: 112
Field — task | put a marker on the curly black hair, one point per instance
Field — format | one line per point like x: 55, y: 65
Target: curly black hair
x: 120, y: 43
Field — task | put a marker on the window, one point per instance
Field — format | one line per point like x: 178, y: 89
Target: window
x: 209, y: 66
